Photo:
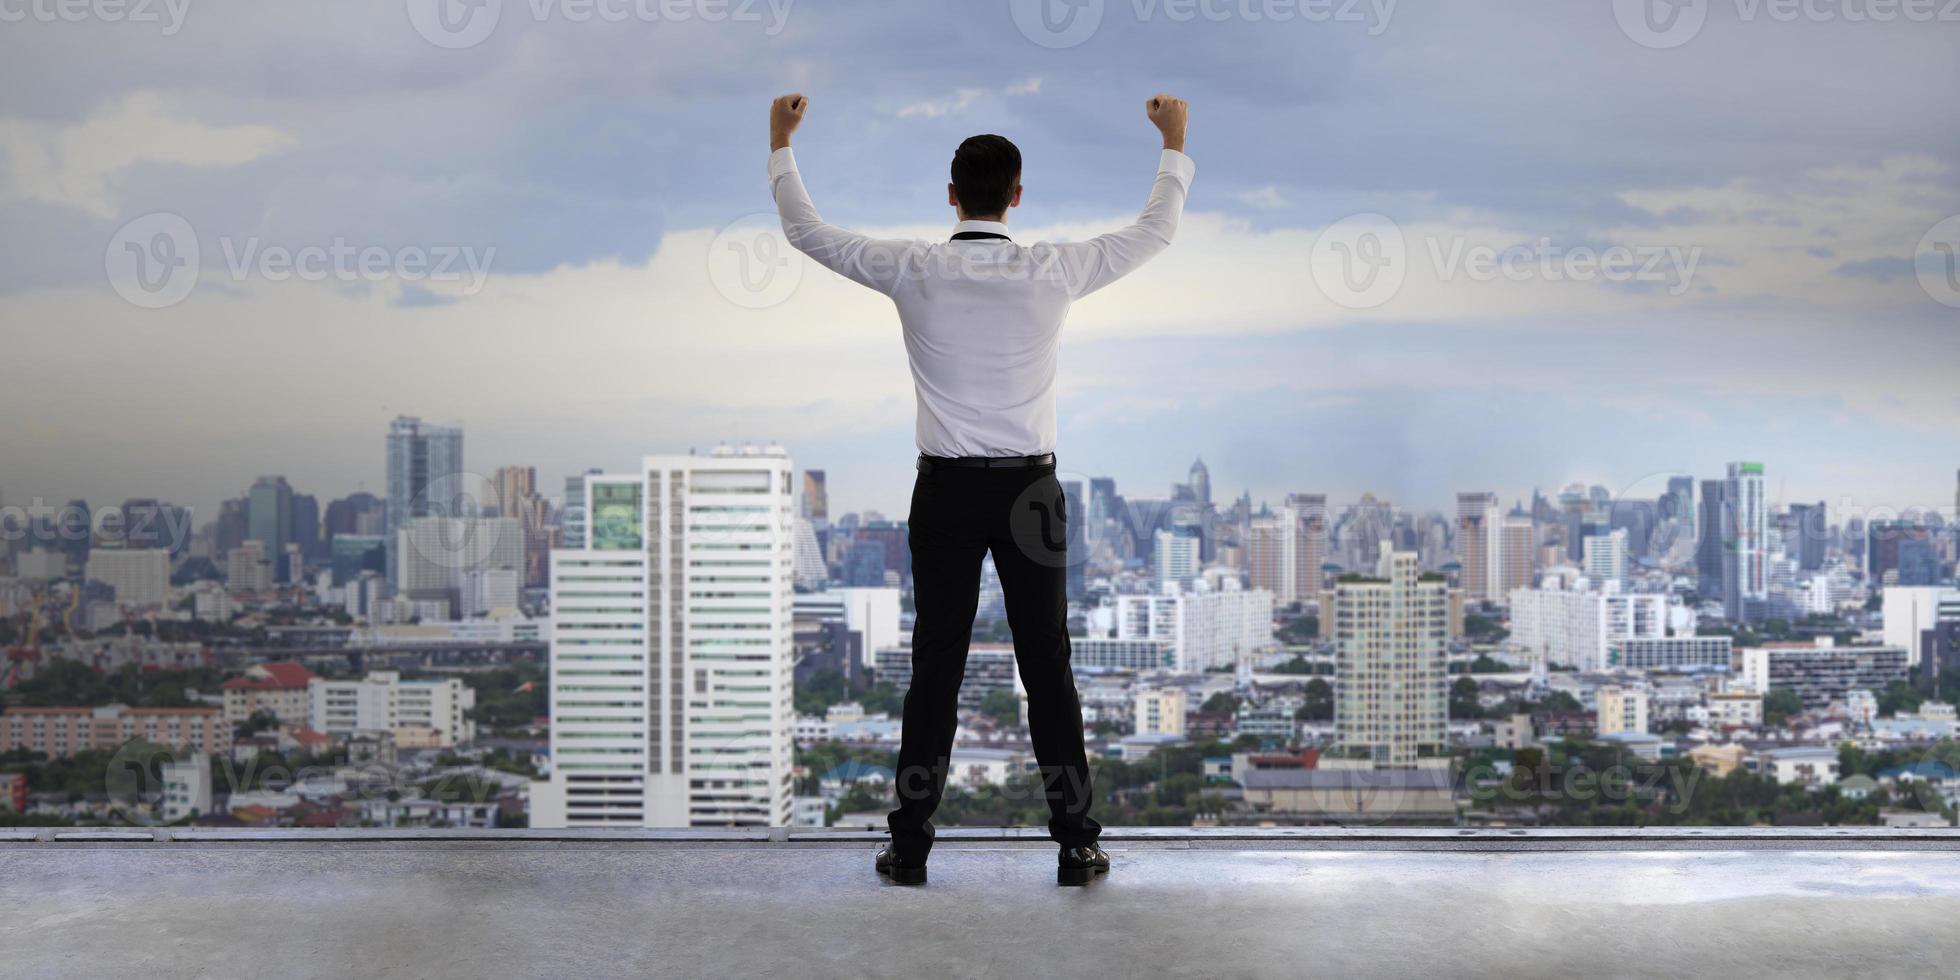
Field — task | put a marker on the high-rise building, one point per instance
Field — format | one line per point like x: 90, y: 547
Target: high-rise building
x: 1199, y: 481
x: 1745, y: 560
x: 1909, y: 612
x: 1811, y: 528
x: 1517, y: 553
x: 356, y: 513
x: 351, y: 554
x: 672, y: 648
x: 269, y: 520
x: 248, y: 569
x: 1206, y: 630
x: 436, y: 557
x: 140, y: 576
x: 1578, y: 627
x: 303, y: 529
x: 1712, y: 534
x: 816, y: 497
x: 1606, y: 557
x: 1391, y: 702
x: 1679, y: 504
x: 1479, y: 546
x: 1285, y: 552
x: 572, y: 513
x: 425, y: 463
x: 1175, y: 559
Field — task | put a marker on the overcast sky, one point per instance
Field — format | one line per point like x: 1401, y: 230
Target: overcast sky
x: 1784, y: 182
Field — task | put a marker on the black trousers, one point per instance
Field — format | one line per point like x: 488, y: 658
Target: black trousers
x: 958, y: 517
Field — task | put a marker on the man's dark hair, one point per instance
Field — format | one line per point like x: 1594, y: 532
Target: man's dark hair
x: 986, y: 170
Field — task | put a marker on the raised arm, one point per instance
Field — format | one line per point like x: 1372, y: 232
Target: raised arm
x: 868, y: 261
x: 1091, y: 265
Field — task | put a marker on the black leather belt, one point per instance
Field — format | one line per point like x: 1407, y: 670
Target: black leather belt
x: 929, y: 463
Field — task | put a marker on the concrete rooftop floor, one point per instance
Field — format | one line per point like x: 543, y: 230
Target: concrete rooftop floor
x: 1286, y: 903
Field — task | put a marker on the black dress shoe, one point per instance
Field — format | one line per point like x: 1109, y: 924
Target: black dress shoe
x: 1079, y: 865
x: 900, y: 872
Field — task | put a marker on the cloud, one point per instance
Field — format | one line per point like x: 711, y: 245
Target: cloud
x: 1881, y: 269
x: 1265, y: 198
x: 1029, y: 87
x: 79, y: 165
x: 958, y: 102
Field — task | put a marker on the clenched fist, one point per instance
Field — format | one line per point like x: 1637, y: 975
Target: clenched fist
x: 784, y: 115
x: 1169, y: 116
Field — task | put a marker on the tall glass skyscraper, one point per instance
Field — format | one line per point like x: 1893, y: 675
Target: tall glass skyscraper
x: 424, y: 461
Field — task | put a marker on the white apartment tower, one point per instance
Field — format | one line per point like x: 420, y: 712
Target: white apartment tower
x: 1746, y: 563
x: 1391, y: 703
x: 671, y: 654
x: 1606, y: 557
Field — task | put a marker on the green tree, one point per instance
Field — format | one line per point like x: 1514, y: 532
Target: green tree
x: 1780, y: 704
x: 1319, y: 705
x: 1224, y: 702
x: 1002, y: 706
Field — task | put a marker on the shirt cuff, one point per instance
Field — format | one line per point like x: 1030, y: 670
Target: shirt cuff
x: 1173, y: 162
x: 781, y: 162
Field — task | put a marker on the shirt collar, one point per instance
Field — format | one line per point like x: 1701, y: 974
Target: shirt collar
x: 988, y: 227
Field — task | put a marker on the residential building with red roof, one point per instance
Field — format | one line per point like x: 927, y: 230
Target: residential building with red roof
x: 277, y: 689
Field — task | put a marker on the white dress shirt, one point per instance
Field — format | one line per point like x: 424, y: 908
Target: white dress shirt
x: 982, y: 318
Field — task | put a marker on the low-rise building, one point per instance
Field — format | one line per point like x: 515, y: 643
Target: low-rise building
x: 1621, y: 709
x: 417, y: 713
x: 186, y: 788
x: 1160, y: 711
x: 1812, y: 766
x: 1735, y: 708
x: 276, y: 689
x: 61, y: 732
x: 1420, y: 795
x: 1822, y: 672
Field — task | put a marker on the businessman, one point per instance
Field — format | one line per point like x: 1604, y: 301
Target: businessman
x: 982, y: 319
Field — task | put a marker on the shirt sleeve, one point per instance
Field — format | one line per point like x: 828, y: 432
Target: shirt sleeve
x: 874, y: 262
x: 1091, y: 265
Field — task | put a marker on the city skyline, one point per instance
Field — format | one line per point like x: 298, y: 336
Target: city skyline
x: 1789, y: 321
x: 846, y: 501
